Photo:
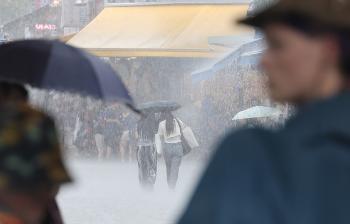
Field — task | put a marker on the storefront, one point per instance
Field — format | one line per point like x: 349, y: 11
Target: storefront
x: 44, y: 22
x: 155, y: 47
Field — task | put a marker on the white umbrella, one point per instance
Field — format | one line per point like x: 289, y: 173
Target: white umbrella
x: 257, y: 112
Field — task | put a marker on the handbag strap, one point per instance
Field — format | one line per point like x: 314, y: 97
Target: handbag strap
x: 180, y: 126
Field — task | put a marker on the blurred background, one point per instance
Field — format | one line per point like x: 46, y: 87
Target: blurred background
x: 188, y: 51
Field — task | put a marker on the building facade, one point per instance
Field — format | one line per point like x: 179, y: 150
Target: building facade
x: 43, y: 22
x: 78, y: 13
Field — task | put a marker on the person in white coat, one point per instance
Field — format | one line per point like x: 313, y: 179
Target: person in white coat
x: 170, y: 132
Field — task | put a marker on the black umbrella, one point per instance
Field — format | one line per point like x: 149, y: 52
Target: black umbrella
x: 159, y: 106
x: 57, y: 66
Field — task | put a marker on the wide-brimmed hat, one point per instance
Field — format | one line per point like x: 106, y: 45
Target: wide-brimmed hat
x: 328, y: 13
x: 30, y: 156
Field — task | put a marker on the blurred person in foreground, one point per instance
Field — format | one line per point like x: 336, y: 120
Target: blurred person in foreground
x: 299, y: 174
x: 14, y: 98
x: 13, y: 93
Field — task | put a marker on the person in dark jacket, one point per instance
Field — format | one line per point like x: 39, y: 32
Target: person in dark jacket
x: 146, y: 151
x: 299, y: 174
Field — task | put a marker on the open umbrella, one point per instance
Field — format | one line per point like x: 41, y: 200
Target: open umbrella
x: 159, y: 106
x: 257, y: 112
x: 54, y: 65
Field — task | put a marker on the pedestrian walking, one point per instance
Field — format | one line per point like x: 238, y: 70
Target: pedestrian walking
x: 85, y: 141
x: 146, y: 151
x: 171, y: 132
x: 126, y: 144
x: 299, y: 174
x: 108, y: 131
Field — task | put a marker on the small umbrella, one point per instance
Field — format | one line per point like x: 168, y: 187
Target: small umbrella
x: 57, y: 66
x: 159, y: 106
x: 257, y: 112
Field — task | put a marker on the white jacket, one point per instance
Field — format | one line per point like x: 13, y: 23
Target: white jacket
x: 174, y: 137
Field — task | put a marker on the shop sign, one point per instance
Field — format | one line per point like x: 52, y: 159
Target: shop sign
x: 45, y: 27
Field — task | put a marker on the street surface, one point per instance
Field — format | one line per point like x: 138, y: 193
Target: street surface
x: 109, y: 193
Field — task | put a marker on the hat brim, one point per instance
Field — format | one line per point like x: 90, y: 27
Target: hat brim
x: 263, y: 18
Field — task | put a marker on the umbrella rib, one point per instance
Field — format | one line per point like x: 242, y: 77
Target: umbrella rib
x: 90, y: 63
x: 47, y: 66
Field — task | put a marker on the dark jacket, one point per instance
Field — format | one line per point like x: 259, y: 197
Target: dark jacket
x: 53, y: 214
x: 298, y: 175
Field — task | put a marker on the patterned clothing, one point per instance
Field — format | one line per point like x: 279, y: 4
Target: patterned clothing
x: 9, y: 219
x: 30, y: 154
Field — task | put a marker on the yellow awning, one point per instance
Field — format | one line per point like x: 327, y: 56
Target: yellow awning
x: 161, y: 30
x: 66, y: 38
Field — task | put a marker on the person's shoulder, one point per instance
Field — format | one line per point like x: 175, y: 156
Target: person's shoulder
x: 30, y: 125
x: 249, y: 136
x: 180, y: 121
x: 23, y: 112
x: 36, y: 115
x: 246, y: 142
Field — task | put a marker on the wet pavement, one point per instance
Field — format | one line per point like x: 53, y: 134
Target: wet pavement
x: 109, y: 193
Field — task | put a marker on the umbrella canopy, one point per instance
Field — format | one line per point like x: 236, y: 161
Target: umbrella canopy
x: 159, y: 106
x: 57, y: 66
x: 257, y: 112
